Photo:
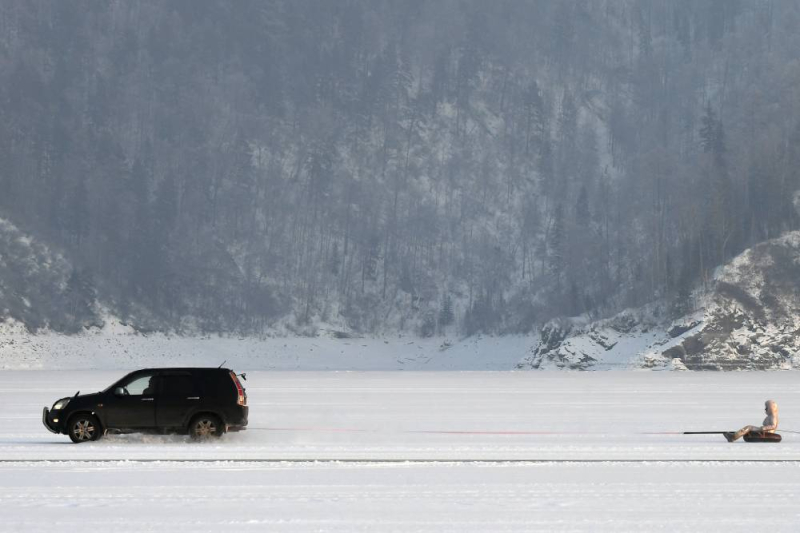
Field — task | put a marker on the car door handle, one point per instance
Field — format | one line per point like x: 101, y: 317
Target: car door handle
x: 147, y: 399
x: 193, y: 397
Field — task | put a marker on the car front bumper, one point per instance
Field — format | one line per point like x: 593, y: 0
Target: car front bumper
x: 52, y: 423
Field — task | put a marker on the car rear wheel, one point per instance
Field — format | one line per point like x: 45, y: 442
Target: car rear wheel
x: 205, y: 427
x: 84, y: 428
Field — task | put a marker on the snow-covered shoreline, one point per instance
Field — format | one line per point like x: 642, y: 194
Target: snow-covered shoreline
x: 119, y: 347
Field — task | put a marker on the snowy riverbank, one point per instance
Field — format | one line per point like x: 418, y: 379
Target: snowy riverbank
x: 116, y: 346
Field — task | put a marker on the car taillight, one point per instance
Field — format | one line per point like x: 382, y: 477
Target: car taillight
x: 241, y: 397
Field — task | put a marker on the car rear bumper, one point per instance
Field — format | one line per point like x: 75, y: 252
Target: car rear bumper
x: 52, y: 424
x: 238, y: 422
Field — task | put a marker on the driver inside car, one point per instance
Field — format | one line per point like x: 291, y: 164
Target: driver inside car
x: 151, y: 387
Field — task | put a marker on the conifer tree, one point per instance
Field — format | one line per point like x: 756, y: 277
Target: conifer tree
x: 556, y: 246
x: 446, y: 314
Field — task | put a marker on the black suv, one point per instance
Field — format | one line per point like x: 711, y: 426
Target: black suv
x: 203, y: 402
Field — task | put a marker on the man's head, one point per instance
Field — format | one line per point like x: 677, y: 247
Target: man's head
x: 771, y: 407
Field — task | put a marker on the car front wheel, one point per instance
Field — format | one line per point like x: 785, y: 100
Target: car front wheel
x: 84, y: 428
x: 205, y: 427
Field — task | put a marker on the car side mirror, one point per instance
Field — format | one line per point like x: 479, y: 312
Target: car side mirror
x: 119, y: 391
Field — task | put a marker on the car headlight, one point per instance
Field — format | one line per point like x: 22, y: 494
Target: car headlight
x: 60, y: 404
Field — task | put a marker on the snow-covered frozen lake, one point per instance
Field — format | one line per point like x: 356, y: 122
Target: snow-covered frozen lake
x: 516, y: 451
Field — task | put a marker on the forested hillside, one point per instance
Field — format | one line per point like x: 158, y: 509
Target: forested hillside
x: 409, y: 165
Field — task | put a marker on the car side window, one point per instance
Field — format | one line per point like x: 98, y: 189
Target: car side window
x: 141, y: 385
x: 178, y: 385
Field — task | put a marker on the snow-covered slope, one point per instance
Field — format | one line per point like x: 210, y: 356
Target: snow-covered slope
x: 750, y: 321
x: 40, y: 287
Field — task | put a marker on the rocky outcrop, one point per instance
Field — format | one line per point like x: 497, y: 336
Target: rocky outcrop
x: 752, y: 319
x: 551, y: 348
x: 679, y: 327
x: 575, y: 344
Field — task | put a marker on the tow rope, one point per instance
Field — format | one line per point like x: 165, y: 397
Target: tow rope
x: 326, y: 429
x: 412, y: 431
x: 315, y: 429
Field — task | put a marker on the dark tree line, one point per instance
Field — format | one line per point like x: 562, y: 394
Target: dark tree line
x: 415, y: 165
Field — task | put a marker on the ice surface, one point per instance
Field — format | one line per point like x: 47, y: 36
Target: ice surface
x: 613, y: 418
x: 399, y: 498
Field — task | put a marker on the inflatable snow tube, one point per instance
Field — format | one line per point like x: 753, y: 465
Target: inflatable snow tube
x: 762, y: 437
